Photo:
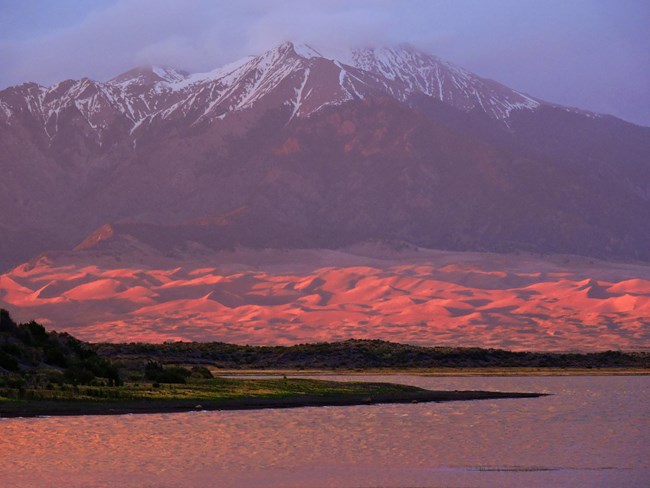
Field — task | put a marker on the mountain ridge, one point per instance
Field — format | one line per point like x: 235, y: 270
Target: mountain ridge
x: 410, y: 77
x: 321, y: 154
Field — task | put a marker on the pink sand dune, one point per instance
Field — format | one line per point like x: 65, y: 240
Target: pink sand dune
x: 264, y: 297
x: 95, y: 290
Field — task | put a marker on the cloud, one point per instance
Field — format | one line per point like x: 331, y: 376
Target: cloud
x: 102, y: 43
x: 190, y: 34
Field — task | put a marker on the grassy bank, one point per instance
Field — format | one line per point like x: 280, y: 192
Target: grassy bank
x: 218, y: 394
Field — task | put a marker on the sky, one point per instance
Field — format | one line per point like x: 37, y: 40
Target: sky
x: 591, y: 54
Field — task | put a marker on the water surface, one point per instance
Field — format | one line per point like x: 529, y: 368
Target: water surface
x: 593, y: 431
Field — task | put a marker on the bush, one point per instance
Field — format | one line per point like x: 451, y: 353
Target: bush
x: 55, y: 357
x: 78, y: 375
x: 8, y: 362
x: 155, y: 372
x: 201, y: 372
x: 13, y: 350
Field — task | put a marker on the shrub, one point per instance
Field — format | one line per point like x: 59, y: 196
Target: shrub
x: 201, y: 372
x: 154, y: 371
x: 8, y: 362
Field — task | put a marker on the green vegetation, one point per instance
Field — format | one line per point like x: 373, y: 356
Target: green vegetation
x: 220, y: 394
x: 213, y: 389
x: 32, y: 358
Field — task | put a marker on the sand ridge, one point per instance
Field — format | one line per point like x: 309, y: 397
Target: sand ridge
x: 277, y: 297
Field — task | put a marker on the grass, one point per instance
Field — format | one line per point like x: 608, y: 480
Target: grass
x: 216, y: 394
x: 216, y: 391
x: 205, y: 389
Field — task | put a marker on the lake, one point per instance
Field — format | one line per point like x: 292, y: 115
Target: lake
x: 592, y: 431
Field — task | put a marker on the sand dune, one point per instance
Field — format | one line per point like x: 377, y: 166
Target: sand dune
x: 272, y: 297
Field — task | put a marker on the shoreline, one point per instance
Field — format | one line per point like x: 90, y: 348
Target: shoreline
x: 16, y: 409
x: 433, y: 372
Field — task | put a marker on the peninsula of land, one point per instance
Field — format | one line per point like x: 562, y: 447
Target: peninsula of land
x: 226, y: 394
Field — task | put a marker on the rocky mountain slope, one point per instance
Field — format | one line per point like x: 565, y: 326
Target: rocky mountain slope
x: 292, y: 149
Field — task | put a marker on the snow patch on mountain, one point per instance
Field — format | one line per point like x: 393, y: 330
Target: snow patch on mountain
x: 299, y: 95
x: 407, y: 71
x: 168, y: 74
x: 289, y: 74
x: 226, y: 74
x: 306, y: 51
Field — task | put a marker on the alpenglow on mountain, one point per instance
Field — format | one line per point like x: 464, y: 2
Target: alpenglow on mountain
x: 291, y: 149
x: 292, y: 75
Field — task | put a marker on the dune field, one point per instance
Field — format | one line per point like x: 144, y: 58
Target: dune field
x: 276, y: 297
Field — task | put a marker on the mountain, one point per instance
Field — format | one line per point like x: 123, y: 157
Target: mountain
x: 294, y: 75
x: 292, y: 149
x: 405, y: 72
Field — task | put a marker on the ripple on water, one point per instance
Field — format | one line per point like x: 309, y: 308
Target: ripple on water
x: 591, y: 431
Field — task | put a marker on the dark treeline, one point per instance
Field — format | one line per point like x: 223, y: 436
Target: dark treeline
x: 30, y: 356
x: 26, y: 350
x: 362, y: 354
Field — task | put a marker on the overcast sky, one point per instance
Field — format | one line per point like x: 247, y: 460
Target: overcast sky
x: 593, y: 54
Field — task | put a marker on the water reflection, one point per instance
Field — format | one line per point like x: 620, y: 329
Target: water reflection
x: 593, y: 431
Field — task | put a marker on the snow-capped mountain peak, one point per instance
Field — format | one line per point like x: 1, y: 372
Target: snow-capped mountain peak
x: 290, y: 74
x: 408, y: 71
x: 148, y: 75
x: 306, y: 51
